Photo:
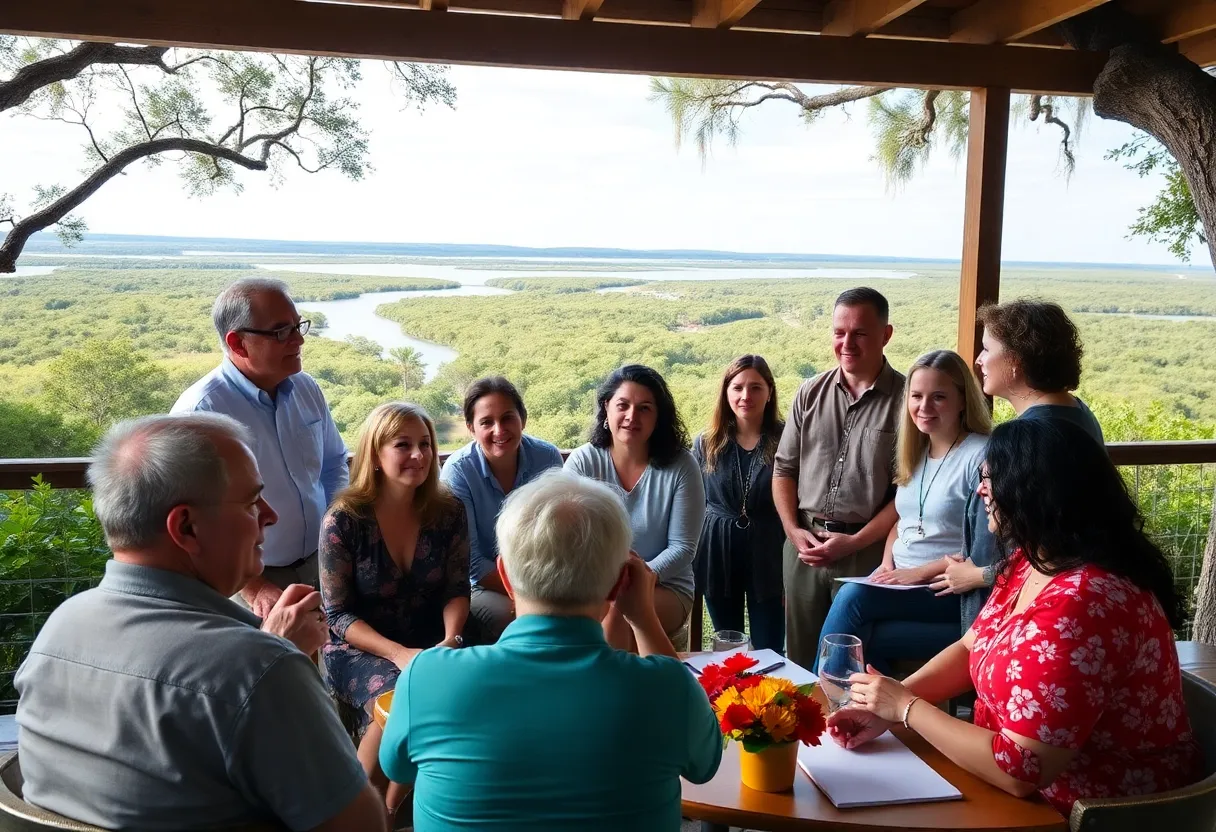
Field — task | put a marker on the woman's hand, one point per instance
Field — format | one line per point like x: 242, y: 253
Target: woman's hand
x: 880, y: 695
x: 851, y: 727
x: 451, y: 642
x: 904, y: 577
x: 403, y: 656
x: 958, y: 576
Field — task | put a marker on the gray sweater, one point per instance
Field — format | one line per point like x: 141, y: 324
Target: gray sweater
x: 666, y: 509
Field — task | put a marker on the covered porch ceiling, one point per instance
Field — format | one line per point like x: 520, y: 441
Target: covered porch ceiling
x: 1009, y: 44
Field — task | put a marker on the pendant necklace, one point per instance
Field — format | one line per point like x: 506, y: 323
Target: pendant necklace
x: 923, y: 491
x: 745, y: 483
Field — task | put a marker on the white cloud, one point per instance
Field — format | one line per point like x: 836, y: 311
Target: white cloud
x: 552, y: 158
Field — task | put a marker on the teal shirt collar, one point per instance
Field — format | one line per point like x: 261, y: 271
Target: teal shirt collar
x: 553, y: 630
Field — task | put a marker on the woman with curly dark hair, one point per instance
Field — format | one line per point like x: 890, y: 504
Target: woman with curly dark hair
x: 1079, y: 691
x: 1031, y: 357
x: 639, y: 446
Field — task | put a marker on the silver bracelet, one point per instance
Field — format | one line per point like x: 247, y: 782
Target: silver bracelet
x: 908, y: 710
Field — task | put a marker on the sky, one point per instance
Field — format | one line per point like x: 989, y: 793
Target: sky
x: 539, y: 158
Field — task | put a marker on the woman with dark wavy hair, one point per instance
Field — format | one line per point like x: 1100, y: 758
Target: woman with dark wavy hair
x: 1079, y: 692
x: 739, y: 554
x: 639, y: 446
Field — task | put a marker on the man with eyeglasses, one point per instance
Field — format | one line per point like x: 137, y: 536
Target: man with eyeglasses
x: 261, y: 384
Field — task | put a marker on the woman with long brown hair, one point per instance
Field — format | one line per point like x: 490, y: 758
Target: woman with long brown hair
x: 739, y: 553
x: 394, y: 560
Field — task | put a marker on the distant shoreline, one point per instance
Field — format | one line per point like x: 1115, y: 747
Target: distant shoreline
x: 132, y: 245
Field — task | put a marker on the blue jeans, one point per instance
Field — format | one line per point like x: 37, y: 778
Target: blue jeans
x: 767, y: 619
x: 894, y: 624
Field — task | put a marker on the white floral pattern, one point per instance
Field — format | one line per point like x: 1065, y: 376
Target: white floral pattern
x: 1088, y: 665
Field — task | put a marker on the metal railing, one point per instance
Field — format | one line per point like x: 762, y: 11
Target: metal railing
x: 50, y: 550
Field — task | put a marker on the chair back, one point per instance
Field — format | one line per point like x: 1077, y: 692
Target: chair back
x: 18, y: 816
x: 1189, y: 809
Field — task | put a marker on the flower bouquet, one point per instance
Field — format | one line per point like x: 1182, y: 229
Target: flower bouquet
x: 769, y: 716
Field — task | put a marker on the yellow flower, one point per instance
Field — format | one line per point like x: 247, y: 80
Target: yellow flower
x: 780, y: 722
x: 728, y: 697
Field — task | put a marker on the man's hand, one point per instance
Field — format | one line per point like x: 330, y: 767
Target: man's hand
x: 831, y: 548
x: 261, y: 596
x: 635, y: 600
x: 297, y: 617
x: 803, y: 541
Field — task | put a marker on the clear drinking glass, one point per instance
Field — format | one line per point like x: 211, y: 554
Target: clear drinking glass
x: 839, y: 658
x: 727, y: 641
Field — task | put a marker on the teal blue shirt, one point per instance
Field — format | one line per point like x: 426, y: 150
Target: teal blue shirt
x: 549, y: 729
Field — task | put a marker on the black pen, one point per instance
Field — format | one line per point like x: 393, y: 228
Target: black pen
x: 770, y: 668
x: 692, y: 668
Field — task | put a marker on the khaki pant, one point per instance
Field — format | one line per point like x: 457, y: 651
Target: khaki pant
x: 305, y: 572
x: 809, y: 591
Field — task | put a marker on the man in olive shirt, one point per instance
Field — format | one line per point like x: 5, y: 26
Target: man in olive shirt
x: 833, y: 473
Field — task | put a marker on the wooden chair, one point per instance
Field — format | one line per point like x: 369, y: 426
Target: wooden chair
x: 1190, y: 809
x: 18, y: 816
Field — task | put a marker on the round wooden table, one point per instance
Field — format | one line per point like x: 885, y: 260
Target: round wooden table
x: 724, y: 801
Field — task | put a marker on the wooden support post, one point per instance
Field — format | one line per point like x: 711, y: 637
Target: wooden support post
x: 987, y: 146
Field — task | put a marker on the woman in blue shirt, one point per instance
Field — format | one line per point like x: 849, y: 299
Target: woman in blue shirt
x: 500, y: 458
x: 639, y: 446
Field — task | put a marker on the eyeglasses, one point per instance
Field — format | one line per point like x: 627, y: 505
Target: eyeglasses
x: 282, y: 333
x: 984, y: 475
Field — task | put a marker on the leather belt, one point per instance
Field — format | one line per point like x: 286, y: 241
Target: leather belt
x: 837, y: 526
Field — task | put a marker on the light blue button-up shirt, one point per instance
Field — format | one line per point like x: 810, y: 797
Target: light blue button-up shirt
x: 468, y: 474
x: 299, y: 452
x: 548, y: 730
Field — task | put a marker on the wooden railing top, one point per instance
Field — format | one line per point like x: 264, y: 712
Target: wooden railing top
x: 69, y: 472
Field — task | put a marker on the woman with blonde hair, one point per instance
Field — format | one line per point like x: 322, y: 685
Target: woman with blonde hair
x: 394, y: 563
x: 739, y: 554
x: 942, y: 436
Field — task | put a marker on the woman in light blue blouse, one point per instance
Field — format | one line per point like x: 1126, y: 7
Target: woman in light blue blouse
x: 639, y: 446
x: 500, y: 459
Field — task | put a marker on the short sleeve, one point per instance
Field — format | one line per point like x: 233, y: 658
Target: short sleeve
x: 395, y: 745
x: 579, y: 462
x: 289, y: 751
x: 789, y: 450
x: 704, y: 734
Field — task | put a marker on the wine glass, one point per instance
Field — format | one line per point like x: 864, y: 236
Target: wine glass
x: 839, y: 658
x: 728, y: 641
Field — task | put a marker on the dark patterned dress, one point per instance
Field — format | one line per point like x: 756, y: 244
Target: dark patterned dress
x: 361, y: 582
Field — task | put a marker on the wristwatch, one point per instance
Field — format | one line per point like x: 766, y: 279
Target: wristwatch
x: 459, y: 641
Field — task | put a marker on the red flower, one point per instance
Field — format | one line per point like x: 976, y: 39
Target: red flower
x: 742, y: 683
x: 811, y: 722
x: 739, y: 662
x: 737, y: 717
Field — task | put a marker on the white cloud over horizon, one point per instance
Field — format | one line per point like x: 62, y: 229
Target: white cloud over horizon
x: 547, y: 159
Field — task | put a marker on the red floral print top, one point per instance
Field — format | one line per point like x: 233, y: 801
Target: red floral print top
x: 1090, y: 664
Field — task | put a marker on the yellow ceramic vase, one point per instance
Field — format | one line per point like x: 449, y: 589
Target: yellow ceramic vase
x: 770, y: 770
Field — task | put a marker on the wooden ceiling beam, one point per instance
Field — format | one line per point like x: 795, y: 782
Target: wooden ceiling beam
x: 433, y: 5
x: 861, y: 17
x: 379, y: 33
x: 1001, y: 21
x: 580, y: 9
x: 720, y: 14
x: 1201, y: 49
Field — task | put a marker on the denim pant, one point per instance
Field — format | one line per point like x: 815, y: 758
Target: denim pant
x: 894, y: 624
x: 767, y: 619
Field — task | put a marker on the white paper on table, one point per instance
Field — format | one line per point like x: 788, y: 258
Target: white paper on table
x: 868, y: 582
x: 882, y: 772
x: 795, y: 673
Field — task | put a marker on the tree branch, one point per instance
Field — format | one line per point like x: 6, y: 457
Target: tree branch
x: 39, y: 74
x: 1048, y: 111
x: 294, y: 127
x: 22, y: 230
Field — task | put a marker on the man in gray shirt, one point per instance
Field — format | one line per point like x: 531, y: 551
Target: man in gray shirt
x: 155, y: 702
x: 834, y: 469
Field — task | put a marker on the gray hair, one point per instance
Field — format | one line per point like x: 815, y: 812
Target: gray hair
x: 144, y: 467
x: 233, y: 309
x: 563, y: 539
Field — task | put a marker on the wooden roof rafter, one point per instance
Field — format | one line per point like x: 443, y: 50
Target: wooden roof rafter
x: 1175, y: 20
x: 720, y: 14
x: 1001, y: 21
x: 862, y: 17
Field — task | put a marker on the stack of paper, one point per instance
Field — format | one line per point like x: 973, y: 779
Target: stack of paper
x: 882, y: 772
